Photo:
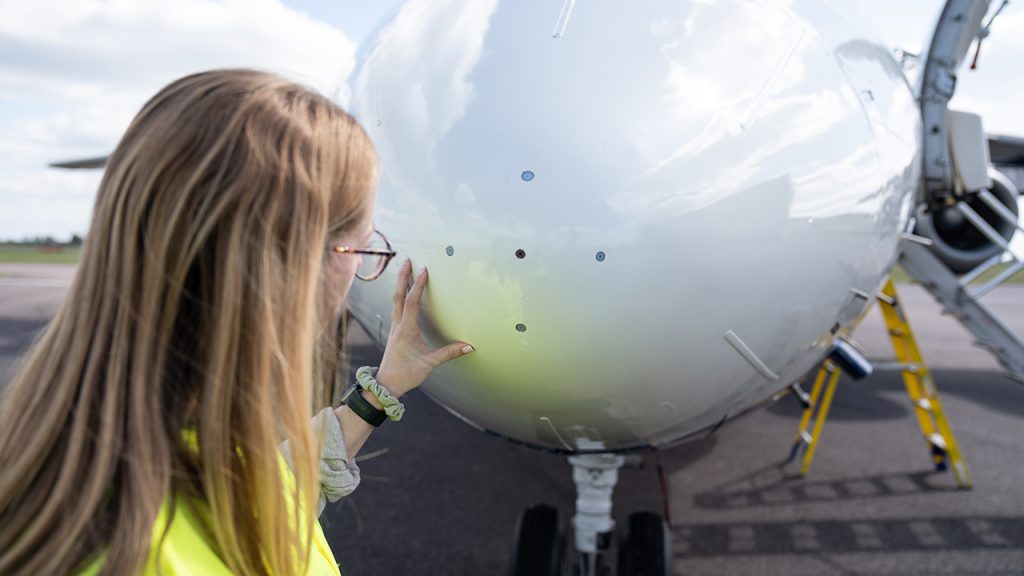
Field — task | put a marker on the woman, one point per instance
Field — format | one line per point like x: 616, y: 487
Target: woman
x: 142, y: 433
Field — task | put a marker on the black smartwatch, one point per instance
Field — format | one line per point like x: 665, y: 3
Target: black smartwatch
x: 353, y: 398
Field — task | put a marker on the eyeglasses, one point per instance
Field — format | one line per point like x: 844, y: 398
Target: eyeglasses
x: 376, y: 256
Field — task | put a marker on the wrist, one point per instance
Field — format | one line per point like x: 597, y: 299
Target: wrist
x: 355, y: 401
x: 366, y: 381
x: 372, y: 399
x: 384, y: 379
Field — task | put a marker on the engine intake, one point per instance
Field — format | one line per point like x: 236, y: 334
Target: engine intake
x: 957, y: 242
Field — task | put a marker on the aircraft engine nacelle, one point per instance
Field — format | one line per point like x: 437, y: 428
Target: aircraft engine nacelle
x: 957, y: 242
x: 647, y: 217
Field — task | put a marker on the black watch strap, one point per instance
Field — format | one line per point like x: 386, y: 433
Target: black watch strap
x: 362, y: 407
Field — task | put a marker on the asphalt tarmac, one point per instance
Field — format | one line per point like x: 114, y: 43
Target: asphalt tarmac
x: 441, y: 498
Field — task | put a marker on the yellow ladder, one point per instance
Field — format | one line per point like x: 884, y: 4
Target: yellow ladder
x: 920, y: 387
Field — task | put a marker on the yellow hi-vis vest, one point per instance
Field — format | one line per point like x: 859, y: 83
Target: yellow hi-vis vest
x: 185, y: 550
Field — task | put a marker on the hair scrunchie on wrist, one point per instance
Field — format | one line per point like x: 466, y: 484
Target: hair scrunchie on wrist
x: 365, y: 376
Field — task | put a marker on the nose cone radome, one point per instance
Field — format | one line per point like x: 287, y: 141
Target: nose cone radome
x: 643, y: 224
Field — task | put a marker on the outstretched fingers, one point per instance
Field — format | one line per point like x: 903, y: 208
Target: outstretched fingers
x: 398, y: 299
x: 448, y: 353
x: 407, y: 359
x: 412, y: 299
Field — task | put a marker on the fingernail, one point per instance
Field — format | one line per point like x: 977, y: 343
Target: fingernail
x: 467, y: 349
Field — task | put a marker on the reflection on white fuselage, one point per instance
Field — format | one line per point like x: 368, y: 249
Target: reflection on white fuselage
x: 599, y: 210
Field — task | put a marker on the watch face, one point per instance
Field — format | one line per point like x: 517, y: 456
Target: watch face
x: 362, y: 407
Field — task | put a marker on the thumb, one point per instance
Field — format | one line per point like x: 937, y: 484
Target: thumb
x: 449, y: 352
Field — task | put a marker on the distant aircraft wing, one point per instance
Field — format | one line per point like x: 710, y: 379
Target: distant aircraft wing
x: 1006, y: 150
x: 86, y: 163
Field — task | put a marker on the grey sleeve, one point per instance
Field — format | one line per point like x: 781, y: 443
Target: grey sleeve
x: 339, y: 475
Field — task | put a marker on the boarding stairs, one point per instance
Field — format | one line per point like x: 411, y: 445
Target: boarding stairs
x: 956, y: 169
x: 958, y: 295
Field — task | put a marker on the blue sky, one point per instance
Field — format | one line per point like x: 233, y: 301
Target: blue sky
x: 74, y: 72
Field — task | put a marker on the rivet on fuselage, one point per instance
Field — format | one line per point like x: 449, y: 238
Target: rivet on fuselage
x: 450, y: 250
x: 520, y: 253
x: 527, y: 175
x: 520, y: 327
x: 599, y: 256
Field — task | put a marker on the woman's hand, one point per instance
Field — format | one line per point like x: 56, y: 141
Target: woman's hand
x: 407, y: 359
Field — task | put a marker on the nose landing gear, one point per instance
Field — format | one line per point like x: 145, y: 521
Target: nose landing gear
x: 644, y: 546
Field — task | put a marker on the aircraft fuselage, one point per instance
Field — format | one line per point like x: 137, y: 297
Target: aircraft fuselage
x: 646, y: 217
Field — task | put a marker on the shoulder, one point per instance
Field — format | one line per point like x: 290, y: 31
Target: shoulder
x: 181, y: 544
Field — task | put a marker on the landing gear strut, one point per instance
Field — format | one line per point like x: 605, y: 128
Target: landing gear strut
x: 644, y: 546
x: 595, y: 476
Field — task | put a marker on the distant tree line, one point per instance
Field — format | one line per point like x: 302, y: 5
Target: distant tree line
x: 74, y: 240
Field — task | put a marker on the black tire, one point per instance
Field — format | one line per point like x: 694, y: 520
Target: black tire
x: 539, y: 548
x: 646, y: 547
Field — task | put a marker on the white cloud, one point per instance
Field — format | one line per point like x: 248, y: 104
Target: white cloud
x: 73, y: 73
x: 136, y: 45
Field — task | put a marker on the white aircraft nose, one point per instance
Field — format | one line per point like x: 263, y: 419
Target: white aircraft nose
x: 625, y: 219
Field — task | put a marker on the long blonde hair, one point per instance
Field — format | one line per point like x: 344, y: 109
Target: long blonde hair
x: 195, y: 307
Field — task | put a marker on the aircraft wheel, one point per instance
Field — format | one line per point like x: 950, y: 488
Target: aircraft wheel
x: 539, y: 543
x: 646, y: 547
